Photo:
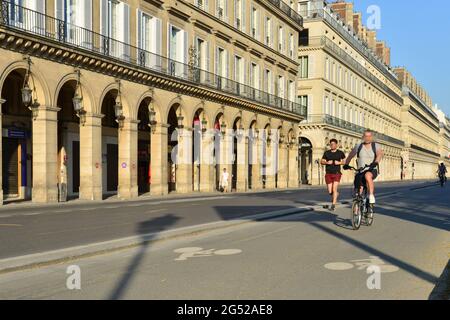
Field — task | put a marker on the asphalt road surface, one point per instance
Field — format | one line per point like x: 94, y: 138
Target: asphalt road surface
x: 310, y: 255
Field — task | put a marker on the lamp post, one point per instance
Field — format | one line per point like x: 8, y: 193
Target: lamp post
x: 204, y: 123
x: 118, y: 108
x: 77, y: 100
x: 27, y: 92
x: 152, y: 117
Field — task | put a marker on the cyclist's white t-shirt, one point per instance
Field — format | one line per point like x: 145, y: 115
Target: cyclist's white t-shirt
x: 366, y: 155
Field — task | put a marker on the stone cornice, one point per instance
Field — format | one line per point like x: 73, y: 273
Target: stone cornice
x: 54, y: 51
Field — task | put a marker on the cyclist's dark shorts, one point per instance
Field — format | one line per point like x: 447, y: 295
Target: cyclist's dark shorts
x: 360, y: 179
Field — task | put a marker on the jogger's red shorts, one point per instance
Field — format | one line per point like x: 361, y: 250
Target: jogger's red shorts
x: 331, y: 178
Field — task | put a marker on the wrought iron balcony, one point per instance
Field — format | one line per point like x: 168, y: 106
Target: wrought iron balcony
x: 49, y: 28
x: 343, y: 124
x: 286, y: 9
x: 360, y: 45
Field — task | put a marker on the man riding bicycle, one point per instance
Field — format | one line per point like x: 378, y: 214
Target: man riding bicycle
x: 369, y: 155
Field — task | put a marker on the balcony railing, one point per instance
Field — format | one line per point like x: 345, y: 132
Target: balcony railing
x: 327, y: 43
x: 343, y: 124
x: 41, y: 25
x: 284, y: 7
x: 361, y: 46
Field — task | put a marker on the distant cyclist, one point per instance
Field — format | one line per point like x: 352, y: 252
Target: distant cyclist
x: 442, y: 172
x: 369, y: 154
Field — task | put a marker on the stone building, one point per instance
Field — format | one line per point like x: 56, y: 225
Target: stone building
x: 348, y: 85
x: 100, y: 96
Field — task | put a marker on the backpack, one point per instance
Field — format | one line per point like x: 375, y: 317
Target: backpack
x: 374, y: 149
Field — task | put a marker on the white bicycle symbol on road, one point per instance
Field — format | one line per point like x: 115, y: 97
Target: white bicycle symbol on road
x: 197, y: 252
x: 362, y: 264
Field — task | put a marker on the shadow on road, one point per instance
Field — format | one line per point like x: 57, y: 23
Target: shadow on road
x: 319, y: 220
x: 143, y: 228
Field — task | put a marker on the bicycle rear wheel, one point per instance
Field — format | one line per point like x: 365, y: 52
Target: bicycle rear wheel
x: 356, y: 215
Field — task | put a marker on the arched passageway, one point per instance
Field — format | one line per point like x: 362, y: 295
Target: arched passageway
x: 173, y: 119
x: 144, y: 145
x: 305, y: 161
x: 68, y: 164
x: 110, y: 148
x: 17, y: 140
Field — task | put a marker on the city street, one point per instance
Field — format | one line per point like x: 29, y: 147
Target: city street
x: 311, y: 254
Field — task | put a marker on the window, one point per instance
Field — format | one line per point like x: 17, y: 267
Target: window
x: 149, y: 40
x: 221, y: 62
x: 221, y: 7
x: 202, y: 49
x: 291, y: 90
x: 326, y: 106
x: 177, y: 49
x: 254, y: 23
x: 238, y: 69
x: 303, y: 8
x: 281, y: 87
x: 115, y: 24
x: 239, y: 15
x: 327, y: 68
x: 291, y: 46
x: 303, y: 72
x: 254, y: 75
x: 268, y: 32
x: 280, y: 39
x: 75, y: 13
x: 303, y: 101
x: 268, y: 81
x: 202, y: 4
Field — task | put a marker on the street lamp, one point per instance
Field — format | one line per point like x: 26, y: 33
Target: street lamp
x: 118, y: 107
x: 27, y: 92
x: 204, y: 124
x: 180, y: 119
x: 223, y: 128
x: 77, y: 100
x: 152, y: 117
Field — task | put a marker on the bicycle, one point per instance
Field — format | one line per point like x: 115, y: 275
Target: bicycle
x: 442, y: 179
x: 361, y: 207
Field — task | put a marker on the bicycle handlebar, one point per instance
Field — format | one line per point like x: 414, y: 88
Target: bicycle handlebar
x: 360, y: 169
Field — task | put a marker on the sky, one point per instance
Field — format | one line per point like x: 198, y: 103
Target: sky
x: 418, y: 33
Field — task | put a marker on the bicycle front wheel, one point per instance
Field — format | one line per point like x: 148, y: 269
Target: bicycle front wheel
x: 356, y: 215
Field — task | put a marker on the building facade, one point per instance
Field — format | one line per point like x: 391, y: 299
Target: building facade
x: 348, y: 86
x: 105, y: 97
x: 347, y: 89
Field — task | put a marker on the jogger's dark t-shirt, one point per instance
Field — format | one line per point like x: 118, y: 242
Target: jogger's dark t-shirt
x: 338, y: 155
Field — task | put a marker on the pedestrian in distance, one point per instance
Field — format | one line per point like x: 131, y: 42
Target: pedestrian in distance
x: 224, y: 181
x: 333, y: 159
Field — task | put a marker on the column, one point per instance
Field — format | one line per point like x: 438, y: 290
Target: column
x: 184, y: 161
x: 2, y: 101
x: 318, y: 172
x: 128, y: 161
x: 270, y: 164
x: 257, y: 164
x: 159, y: 161
x: 207, y: 181
x: 293, y: 166
x: 226, y: 156
x: 91, y: 158
x: 242, y: 164
x: 282, y: 166
x: 45, y: 156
